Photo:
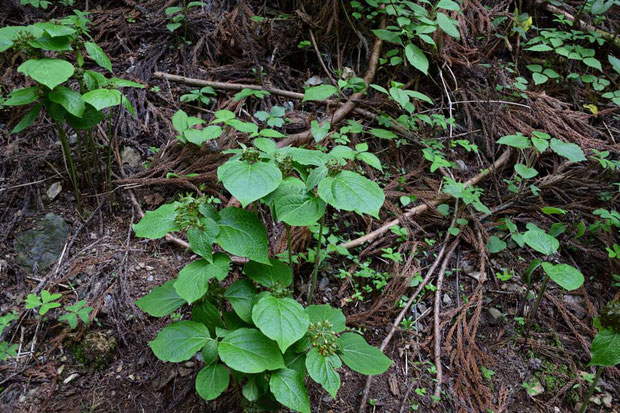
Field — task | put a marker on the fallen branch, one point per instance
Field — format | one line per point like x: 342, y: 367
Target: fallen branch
x: 417, y: 210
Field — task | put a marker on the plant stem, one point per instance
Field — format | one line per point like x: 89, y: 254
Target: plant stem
x: 317, y: 261
x: 288, y: 244
x: 535, y: 310
x: 67, y: 150
x: 586, y: 401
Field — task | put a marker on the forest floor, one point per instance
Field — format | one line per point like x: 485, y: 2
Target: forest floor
x: 107, y: 365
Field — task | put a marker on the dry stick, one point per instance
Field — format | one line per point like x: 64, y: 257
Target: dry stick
x: 437, y: 329
x: 399, y: 318
x: 500, y: 162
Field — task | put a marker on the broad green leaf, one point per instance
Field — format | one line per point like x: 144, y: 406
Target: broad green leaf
x: 295, y: 205
x: 361, y: 356
x: 193, y: 280
x: 320, y: 92
x: 552, y: 210
x: 90, y: 118
x: 69, y: 99
x: 281, y: 319
x: 540, y: 144
x: 448, y: 25
x: 249, y: 181
x: 247, y: 350
x: 417, y: 58
x: 319, y: 130
x: 156, y: 224
x: 20, y: 97
x: 371, y: 159
x: 28, y: 119
x: 118, y: 82
x: 570, y: 151
x: 241, y: 233
x: 288, y: 388
x: 605, y: 350
x: 324, y: 312
x: 516, y: 141
x: 270, y: 276
x: 525, y: 172
x: 102, y: 98
x: 448, y: 5
x: 495, y: 245
x: 201, y: 238
x: 383, y: 133
x: 208, y: 314
x: 212, y: 380
x: 49, y: 72
x: 98, y: 55
x: 388, y: 35
x: 55, y: 30
x: 541, y: 241
x: 180, y: 121
x: 240, y: 294
x: 161, y: 301
x: 251, y: 390
x: 566, y: 276
x: 350, y: 191
x: 245, y: 127
x: 180, y: 341
x: 539, y: 78
x: 322, y: 370
x: 295, y: 360
x: 592, y: 62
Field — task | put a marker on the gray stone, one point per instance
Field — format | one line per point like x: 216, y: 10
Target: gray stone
x: 495, y: 316
x: 130, y: 156
x: 54, y: 190
x: 446, y: 299
x: 37, y: 249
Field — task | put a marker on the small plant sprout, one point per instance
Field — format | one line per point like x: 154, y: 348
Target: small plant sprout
x: 199, y: 95
x: 43, y: 302
x: 605, y: 349
x: 76, y: 312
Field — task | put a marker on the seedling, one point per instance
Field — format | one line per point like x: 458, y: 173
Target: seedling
x: 177, y: 17
x: 199, y: 95
x: 43, y: 302
x: 76, y: 312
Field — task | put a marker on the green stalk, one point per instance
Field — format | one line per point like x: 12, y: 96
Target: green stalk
x: 317, y: 261
x: 535, y: 310
x: 597, y: 376
x: 67, y: 150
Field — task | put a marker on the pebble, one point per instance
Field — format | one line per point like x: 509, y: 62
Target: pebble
x: 495, y: 315
x: 149, y: 278
x: 70, y: 378
x: 446, y: 299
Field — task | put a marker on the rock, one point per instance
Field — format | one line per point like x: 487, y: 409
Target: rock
x: 184, y: 372
x: 575, y: 303
x: 38, y: 249
x: 149, y: 278
x: 446, y: 299
x: 513, y: 288
x: 328, y: 399
x: 495, y: 316
x: 607, y: 399
x: 536, y: 388
x: 313, y: 81
x: 323, y: 283
x: 130, y: 156
x: 71, y: 378
x: 461, y: 165
x: 54, y: 190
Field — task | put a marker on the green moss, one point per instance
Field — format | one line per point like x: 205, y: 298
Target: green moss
x: 95, y: 350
